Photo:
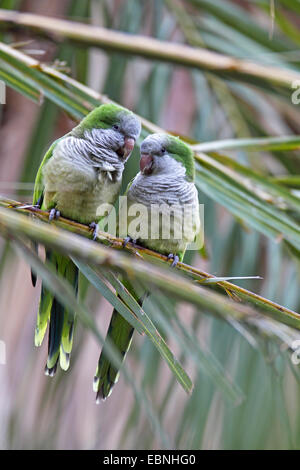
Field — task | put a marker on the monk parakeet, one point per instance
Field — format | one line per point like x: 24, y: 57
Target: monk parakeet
x: 165, y: 186
x: 81, y: 170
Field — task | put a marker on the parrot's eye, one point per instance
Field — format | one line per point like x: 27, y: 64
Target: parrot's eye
x: 163, y: 150
x: 116, y: 127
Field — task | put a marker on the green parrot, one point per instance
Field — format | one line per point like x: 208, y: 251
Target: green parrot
x: 80, y: 171
x: 163, y: 190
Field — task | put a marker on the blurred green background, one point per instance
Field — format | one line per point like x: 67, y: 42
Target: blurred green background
x: 263, y: 411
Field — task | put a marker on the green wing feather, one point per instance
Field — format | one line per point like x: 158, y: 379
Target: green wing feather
x: 46, y: 299
x: 38, y: 194
x: 39, y: 184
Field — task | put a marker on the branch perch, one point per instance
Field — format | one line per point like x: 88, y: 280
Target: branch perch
x: 45, y: 234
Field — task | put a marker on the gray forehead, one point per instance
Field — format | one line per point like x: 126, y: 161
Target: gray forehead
x: 130, y: 124
x: 153, y: 143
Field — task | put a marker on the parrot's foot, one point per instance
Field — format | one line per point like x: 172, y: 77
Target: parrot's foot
x: 175, y: 259
x: 129, y: 240
x: 95, y: 228
x: 54, y: 214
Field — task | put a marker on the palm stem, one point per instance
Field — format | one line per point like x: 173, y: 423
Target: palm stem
x: 149, y: 48
x: 146, y: 271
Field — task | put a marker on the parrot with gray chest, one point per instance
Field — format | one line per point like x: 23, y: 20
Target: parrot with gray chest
x: 164, y: 184
x: 79, y: 172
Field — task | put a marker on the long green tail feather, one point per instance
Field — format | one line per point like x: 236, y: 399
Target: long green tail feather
x: 45, y: 305
x: 33, y: 275
x: 120, y: 333
x: 55, y: 332
x: 61, y: 326
x: 66, y: 344
x: 46, y: 301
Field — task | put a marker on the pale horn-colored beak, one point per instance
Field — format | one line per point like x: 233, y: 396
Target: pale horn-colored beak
x: 128, y: 146
x: 146, y: 163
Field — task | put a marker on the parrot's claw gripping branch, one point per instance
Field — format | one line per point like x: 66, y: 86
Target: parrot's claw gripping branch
x: 129, y: 240
x: 175, y: 259
x: 131, y: 244
x: 95, y: 229
x: 54, y: 214
x: 119, y: 243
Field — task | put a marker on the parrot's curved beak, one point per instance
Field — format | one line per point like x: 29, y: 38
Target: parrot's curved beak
x: 125, y: 151
x: 146, y: 163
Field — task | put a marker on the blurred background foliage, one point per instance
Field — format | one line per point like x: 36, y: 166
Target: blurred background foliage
x: 246, y: 393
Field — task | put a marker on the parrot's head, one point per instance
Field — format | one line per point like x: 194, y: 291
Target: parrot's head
x: 111, y: 127
x: 163, y: 153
